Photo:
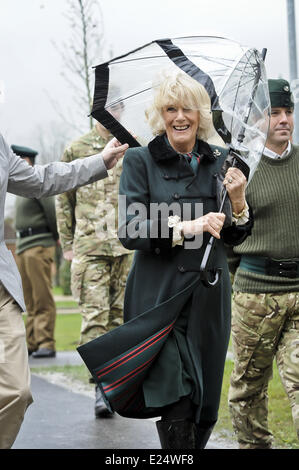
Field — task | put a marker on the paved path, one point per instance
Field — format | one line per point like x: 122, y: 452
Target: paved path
x: 63, y: 358
x: 62, y: 418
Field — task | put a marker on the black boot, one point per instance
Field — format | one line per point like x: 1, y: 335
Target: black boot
x: 203, y: 433
x: 176, y: 434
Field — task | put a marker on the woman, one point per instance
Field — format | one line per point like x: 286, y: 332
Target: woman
x: 184, y: 382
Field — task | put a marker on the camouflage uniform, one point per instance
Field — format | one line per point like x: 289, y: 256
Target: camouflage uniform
x: 265, y: 312
x: 87, y: 224
x: 264, y: 326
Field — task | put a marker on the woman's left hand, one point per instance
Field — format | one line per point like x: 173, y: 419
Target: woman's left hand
x: 235, y: 183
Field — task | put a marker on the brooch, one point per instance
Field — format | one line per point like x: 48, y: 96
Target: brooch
x: 216, y: 153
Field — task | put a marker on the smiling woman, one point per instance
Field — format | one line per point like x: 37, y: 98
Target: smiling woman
x: 181, y: 126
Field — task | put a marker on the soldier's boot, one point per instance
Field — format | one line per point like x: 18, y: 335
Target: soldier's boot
x: 176, y: 434
x: 100, y: 409
x: 203, y: 433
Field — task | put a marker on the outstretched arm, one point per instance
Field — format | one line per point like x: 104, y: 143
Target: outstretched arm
x: 54, y: 178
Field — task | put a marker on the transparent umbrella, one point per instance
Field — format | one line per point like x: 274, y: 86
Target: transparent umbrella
x: 233, y: 75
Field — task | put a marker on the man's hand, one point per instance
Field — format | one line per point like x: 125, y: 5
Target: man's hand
x: 113, y: 151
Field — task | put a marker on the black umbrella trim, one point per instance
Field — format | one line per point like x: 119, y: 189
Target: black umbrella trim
x: 180, y: 60
x: 101, y: 114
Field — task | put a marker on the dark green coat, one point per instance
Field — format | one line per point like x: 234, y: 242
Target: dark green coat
x: 157, y: 174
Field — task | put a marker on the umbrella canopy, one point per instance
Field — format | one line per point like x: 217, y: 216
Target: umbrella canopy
x: 233, y: 75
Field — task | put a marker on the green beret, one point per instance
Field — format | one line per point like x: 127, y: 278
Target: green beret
x: 280, y: 93
x: 24, y: 151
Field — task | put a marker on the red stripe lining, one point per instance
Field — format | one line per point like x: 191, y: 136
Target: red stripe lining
x: 137, y: 354
x: 129, y: 378
x: 129, y: 373
x: 122, y: 360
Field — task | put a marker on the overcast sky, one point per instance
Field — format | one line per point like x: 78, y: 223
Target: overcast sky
x: 31, y: 66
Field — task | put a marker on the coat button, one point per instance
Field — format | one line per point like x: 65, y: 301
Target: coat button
x: 181, y: 269
x: 176, y: 196
x: 157, y: 251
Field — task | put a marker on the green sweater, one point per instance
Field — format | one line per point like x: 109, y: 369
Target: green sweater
x: 35, y: 214
x: 273, y: 194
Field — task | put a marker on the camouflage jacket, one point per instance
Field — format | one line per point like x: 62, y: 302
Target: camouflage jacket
x: 87, y: 217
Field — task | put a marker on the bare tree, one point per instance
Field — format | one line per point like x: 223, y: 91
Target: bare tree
x: 83, y: 50
x: 51, y: 141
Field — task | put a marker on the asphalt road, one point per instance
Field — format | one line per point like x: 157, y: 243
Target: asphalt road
x: 62, y: 419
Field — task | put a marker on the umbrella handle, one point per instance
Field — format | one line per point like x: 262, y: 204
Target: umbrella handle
x: 205, y: 272
x: 209, y: 277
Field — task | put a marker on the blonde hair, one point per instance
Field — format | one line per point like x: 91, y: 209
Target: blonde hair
x: 180, y: 89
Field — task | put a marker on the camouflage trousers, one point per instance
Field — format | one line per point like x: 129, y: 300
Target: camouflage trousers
x: 264, y: 327
x: 98, y: 285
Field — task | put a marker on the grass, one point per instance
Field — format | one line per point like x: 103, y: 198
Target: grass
x: 57, y: 290
x: 67, y: 331
x: 280, y: 416
x: 67, y: 303
x: 70, y: 304
x: 67, y: 327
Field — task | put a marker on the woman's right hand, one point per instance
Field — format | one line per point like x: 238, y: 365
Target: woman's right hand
x: 211, y: 222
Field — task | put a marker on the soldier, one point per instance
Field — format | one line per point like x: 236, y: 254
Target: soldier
x: 37, y: 236
x: 265, y: 319
x: 87, y: 224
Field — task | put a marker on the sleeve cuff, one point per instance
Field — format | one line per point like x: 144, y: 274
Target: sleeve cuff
x: 174, y: 222
x: 243, y: 217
